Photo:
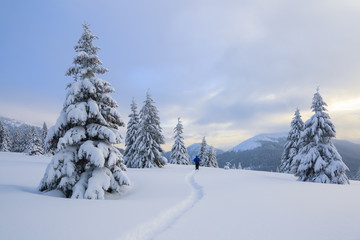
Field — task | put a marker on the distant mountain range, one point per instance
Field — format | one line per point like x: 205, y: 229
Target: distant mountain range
x: 263, y: 152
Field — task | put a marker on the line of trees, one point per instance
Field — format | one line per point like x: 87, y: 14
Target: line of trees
x: 27, y: 139
x: 309, y: 152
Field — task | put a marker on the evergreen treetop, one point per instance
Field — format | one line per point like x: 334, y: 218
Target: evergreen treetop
x: 86, y: 64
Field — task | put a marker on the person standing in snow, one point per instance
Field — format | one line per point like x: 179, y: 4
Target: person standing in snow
x: 197, y: 162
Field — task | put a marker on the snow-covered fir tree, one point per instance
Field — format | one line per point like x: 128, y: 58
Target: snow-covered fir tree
x: 239, y: 166
x: 292, y: 146
x: 203, y: 152
x: 210, y: 160
x: 131, y: 134
x: 34, y: 146
x: 318, y: 160
x: 5, y: 140
x: 43, y: 136
x: 179, y: 153
x: 149, y: 137
x: 86, y: 164
x: 233, y: 166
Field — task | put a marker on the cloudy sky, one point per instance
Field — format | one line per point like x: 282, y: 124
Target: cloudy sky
x: 230, y: 69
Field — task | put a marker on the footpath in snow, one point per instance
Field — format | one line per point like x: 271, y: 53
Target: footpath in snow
x: 168, y: 217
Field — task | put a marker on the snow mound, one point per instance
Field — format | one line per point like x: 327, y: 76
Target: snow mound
x: 255, y: 142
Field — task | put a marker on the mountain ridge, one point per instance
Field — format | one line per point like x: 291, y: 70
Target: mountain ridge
x: 255, y: 142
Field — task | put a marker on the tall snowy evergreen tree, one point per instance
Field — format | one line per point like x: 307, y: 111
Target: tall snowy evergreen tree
x: 210, y: 160
x: 292, y: 145
x: 179, y: 153
x: 43, y: 137
x: 5, y: 140
x: 86, y: 164
x: 131, y: 134
x: 34, y: 146
x: 203, y: 152
x: 318, y: 160
x: 149, y: 137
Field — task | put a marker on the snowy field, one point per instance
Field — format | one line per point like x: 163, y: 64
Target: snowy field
x: 176, y: 202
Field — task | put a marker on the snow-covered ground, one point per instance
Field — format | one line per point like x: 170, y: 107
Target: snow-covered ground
x: 176, y: 202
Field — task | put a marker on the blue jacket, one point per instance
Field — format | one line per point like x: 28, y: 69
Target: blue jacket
x: 196, y: 159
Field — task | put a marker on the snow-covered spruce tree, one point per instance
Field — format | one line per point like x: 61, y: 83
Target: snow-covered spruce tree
x: 43, y: 136
x: 203, y: 152
x: 318, y: 160
x: 291, y: 147
x: 131, y: 133
x: 179, y: 153
x: 5, y: 140
x: 149, y: 137
x: 210, y: 160
x: 34, y: 146
x: 239, y: 166
x: 86, y: 164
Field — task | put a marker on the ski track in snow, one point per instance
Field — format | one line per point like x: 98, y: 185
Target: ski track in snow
x: 166, y: 219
